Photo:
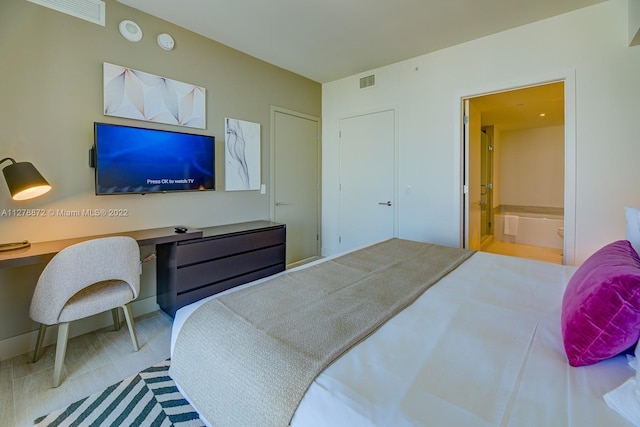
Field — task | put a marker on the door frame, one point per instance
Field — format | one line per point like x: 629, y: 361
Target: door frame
x: 467, y: 136
x: 272, y: 161
x: 569, y: 79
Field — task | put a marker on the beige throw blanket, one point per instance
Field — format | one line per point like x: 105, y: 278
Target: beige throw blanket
x: 247, y: 358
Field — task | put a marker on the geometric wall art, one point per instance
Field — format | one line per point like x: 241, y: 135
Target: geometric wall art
x: 242, y: 154
x: 142, y: 96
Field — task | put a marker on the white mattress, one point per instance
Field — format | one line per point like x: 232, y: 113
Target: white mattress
x: 482, y: 347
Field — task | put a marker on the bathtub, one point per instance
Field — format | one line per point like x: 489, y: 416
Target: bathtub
x: 539, y: 229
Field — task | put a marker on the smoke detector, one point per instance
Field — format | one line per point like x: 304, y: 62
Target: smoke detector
x: 165, y: 41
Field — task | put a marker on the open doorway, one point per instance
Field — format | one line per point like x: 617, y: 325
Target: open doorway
x: 515, y: 172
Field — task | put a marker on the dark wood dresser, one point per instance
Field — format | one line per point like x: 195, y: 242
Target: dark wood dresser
x: 224, y: 257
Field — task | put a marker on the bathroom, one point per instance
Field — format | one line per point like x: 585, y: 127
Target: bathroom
x: 522, y: 172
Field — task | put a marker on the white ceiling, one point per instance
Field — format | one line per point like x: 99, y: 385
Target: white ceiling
x: 325, y: 40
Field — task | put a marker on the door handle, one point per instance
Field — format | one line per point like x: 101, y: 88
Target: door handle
x: 282, y: 203
x: 385, y: 203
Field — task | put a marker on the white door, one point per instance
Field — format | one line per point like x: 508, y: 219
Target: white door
x: 367, y: 179
x: 472, y: 137
x: 296, y: 182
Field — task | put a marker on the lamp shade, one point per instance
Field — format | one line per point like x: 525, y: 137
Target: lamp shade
x: 24, y: 180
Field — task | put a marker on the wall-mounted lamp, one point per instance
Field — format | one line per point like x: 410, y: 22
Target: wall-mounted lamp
x: 24, y: 182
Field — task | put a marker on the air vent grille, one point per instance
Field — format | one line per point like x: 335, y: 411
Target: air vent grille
x: 368, y: 81
x: 89, y: 10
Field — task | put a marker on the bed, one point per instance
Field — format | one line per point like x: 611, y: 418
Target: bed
x: 479, y: 344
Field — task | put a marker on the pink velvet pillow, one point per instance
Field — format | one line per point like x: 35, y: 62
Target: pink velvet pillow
x: 601, y: 305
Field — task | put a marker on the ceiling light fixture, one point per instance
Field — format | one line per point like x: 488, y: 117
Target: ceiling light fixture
x: 130, y: 30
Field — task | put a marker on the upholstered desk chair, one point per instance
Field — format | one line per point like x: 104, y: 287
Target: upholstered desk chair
x: 82, y: 280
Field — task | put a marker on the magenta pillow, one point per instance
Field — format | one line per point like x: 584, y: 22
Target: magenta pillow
x: 601, y: 305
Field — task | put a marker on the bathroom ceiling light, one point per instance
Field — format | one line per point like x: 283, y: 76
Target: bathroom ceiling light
x: 130, y: 31
x: 543, y: 114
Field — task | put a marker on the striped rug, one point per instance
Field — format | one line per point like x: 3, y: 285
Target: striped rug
x: 149, y: 398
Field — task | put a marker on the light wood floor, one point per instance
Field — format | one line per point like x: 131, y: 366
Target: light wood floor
x: 93, y: 361
x: 525, y: 251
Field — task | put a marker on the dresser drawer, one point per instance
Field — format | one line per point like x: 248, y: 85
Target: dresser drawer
x: 219, y: 247
x: 205, y: 273
x: 205, y: 291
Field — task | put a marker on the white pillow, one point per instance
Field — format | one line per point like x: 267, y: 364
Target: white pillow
x: 632, y: 216
x: 625, y: 399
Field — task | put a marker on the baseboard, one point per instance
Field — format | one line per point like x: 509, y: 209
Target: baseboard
x: 302, y: 262
x: 25, y: 343
x: 486, y: 242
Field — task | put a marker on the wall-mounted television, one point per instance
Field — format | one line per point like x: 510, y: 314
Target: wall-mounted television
x: 134, y: 160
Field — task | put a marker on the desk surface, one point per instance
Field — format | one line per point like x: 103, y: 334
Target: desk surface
x: 241, y: 227
x: 43, y: 251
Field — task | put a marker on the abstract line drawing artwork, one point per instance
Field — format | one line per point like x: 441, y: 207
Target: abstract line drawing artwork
x: 142, y: 96
x: 242, y: 146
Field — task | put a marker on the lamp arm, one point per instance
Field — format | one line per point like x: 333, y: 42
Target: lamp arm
x: 7, y: 158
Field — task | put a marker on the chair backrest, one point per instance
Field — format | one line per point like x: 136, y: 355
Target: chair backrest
x: 81, y: 265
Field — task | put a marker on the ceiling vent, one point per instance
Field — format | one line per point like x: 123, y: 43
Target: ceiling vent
x: 89, y: 10
x: 368, y: 81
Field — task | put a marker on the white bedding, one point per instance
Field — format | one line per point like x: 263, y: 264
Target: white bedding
x: 481, y: 348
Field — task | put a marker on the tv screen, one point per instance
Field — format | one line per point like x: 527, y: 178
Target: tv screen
x: 135, y: 160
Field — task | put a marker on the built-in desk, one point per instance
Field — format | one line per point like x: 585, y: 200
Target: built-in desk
x: 190, y: 265
x: 43, y: 251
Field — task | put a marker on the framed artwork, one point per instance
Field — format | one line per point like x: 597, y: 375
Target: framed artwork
x: 242, y: 154
x: 142, y: 96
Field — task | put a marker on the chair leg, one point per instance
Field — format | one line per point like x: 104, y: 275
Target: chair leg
x: 132, y: 331
x: 38, y: 350
x: 116, y: 318
x: 61, y: 349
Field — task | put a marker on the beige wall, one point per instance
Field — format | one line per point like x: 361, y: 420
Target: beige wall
x: 531, y: 167
x: 51, y: 93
